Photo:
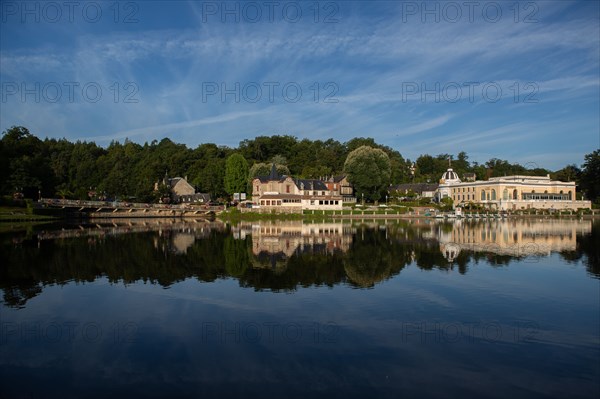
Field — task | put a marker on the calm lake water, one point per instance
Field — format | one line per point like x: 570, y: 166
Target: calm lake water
x: 290, y: 309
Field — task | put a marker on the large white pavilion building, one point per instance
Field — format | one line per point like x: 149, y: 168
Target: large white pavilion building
x: 510, y: 192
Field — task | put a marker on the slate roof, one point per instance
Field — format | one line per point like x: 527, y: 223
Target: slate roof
x: 273, y: 176
x: 310, y: 184
x: 302, y: 184
x: 337, y: 179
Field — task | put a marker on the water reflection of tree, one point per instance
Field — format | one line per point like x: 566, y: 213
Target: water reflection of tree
x: 587, y: 250
x: 237, y: 255
x: 26, y: 266
x: 373, y: 258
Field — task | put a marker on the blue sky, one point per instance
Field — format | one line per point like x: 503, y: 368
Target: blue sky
x: 512, y: 80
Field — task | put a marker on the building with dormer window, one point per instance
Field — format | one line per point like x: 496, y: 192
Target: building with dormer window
x: 284, y: 193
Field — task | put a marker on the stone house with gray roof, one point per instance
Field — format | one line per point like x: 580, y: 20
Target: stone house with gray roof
x: 284, y: 193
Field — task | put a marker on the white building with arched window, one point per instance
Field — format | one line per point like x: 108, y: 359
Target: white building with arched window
x: 511, y: 192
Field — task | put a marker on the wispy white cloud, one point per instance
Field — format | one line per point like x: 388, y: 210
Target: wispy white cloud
x: 161, y: 129
x: 368, y: 55
x: 424, y: 126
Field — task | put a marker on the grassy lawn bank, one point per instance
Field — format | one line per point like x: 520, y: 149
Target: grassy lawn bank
x: 13, y: 213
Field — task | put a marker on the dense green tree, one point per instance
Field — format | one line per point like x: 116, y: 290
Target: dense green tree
x: 369, y: 171
x: 426, y: 168
x: 590, y: 176
x: 236, y: 174
x: 127, y: 169
x: 568, y: 173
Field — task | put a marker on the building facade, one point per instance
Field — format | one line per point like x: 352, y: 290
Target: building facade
x: 286, y: 194
x: 183, y: 192
x: 340, y: 186
x: 510, y: 192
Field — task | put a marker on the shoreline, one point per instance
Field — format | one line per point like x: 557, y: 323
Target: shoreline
x: 233, y: 215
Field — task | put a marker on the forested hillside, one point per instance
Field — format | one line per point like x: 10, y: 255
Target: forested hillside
x: 72, y: 169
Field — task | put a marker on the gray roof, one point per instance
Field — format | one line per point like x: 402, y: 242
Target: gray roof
x: 338, y: 178
x: 310, y: 184
x: 173, y: 181
x: 273, y: 176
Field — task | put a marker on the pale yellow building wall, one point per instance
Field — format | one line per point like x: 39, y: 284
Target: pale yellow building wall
x: 493, y: 194
x: 517, y: 237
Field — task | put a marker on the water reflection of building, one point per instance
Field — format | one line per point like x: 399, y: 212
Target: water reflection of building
x: 181, y: 241
x: 515, y: 237
x: 291, y: 237
x: 113, y: 227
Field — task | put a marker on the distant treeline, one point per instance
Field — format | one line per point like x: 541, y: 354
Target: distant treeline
x: 52, y: 167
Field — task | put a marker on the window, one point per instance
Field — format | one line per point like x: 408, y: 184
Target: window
x: 515, y: 194
x: 483, y: 195
x: 287, y: 188
x: 505, y: 194
x: 493, y: 194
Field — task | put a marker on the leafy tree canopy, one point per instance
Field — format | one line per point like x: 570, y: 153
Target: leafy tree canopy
x: 369, y: 171
x: 127, y: 169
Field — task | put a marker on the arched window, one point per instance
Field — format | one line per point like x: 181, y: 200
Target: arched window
x: 515, y: 195
x: 483, y: 195
x: 493, y: 194
x: 505, y: 194
x: 570, y: 195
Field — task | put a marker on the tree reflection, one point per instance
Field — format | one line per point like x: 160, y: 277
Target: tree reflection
x: 587, y: 250
x: 304, y: 256
x: 372, y: 258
